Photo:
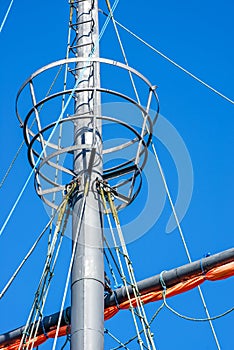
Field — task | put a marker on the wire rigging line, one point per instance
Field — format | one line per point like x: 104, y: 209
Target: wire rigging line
x: 6, y: 16
x: 61, y: 227
x: 122, y: 50
x: 67, y: 341
x: 57, y: 122
x: 112, y: 256
x: 186, y: 317
x: 173, y: 62
x: 122, y: 345
x: 31, y: 250
x: 110, y: 267
x: 23, y: 142
x: 122, y: 275
x: 40, y: 298
x: 86, y: 190
x: 63, y: 99
x: 12, y: 163
x: 106, y: 197
x: 162, y: 174
x: 150, y: 322
x: 183, y: 239
x: 194, y: 318
x: 140, y: 307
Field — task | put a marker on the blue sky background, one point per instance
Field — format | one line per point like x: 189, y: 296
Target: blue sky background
x: 199, y: 36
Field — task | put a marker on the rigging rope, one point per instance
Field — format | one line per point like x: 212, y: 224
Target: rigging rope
x: 68, y: 339
x: 12, y: 163
x: 122, y: 345
x: 158, y: 162
x: 111, y: 269
x: 122, y: 50
x: 135, y: 336
x: 187, y: 317
x: 86, y: 190
x: 31, y: 250
x: 6, y: 15
x: 183, y: 240
x: 213, y: 274
x: 57, y: 123
x: 107, y: 196
x: 33, y: 321
x: 63, y: 98
x: 173, y: 62
x: 122, y: 275
x: 23, y: 142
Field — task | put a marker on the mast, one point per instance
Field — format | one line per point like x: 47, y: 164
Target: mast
x: 152, y: 284
x: 87, y: 288
x: 60, y: 162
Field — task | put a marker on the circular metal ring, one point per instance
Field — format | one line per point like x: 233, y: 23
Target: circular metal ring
x: 140, y: 140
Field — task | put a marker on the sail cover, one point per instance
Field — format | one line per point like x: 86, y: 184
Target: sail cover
x: 179, y: 280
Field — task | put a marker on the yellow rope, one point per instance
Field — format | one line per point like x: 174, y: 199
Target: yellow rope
x: 113, y: 208
x: 107, y: 196
x: 108, y: 5
x: 71, y: 11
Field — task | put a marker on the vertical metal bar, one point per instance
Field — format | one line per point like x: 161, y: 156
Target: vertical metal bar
x: 87, y: 285
x: 144, y: 127
x: 33, y: 97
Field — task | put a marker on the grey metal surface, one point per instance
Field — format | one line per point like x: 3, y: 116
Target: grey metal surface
x: 174, y: 276
x: 87, y: 282
x: 171, y: 277
x: 58, y: 151
x: 51, y: 153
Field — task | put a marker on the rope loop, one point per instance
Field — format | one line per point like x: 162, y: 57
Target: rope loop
x: 163, y: 284
x: 43, y: 328
x: 201, y: 263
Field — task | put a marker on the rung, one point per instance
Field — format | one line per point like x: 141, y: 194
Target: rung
x: 120, y: 172
x: 76, y: 24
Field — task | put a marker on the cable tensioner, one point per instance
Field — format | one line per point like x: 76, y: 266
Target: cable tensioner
x: 71, y: 189
x: 104, y: 185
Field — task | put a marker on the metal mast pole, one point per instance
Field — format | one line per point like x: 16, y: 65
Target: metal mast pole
x: 87, y: 285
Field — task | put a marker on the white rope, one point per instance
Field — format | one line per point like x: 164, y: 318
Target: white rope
x: 56, y: 124
x: 63, y: 103
x: 124, y: 55
x: 188, y: 318
x: 175, y: 64
x: 23, y: 142
x: 122, y: 345
x: 70, y: 269
x: 123, y: 277
x: 140, y: 308
x: 37, y: 308
x: 51, y: 273
x: 155, y: 153
x: 6, y: 15
x: 183, y: 240
x: 151, y: 321
x: 31, y: 250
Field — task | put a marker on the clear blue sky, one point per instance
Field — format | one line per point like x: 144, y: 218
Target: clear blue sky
x: 199, y: 36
